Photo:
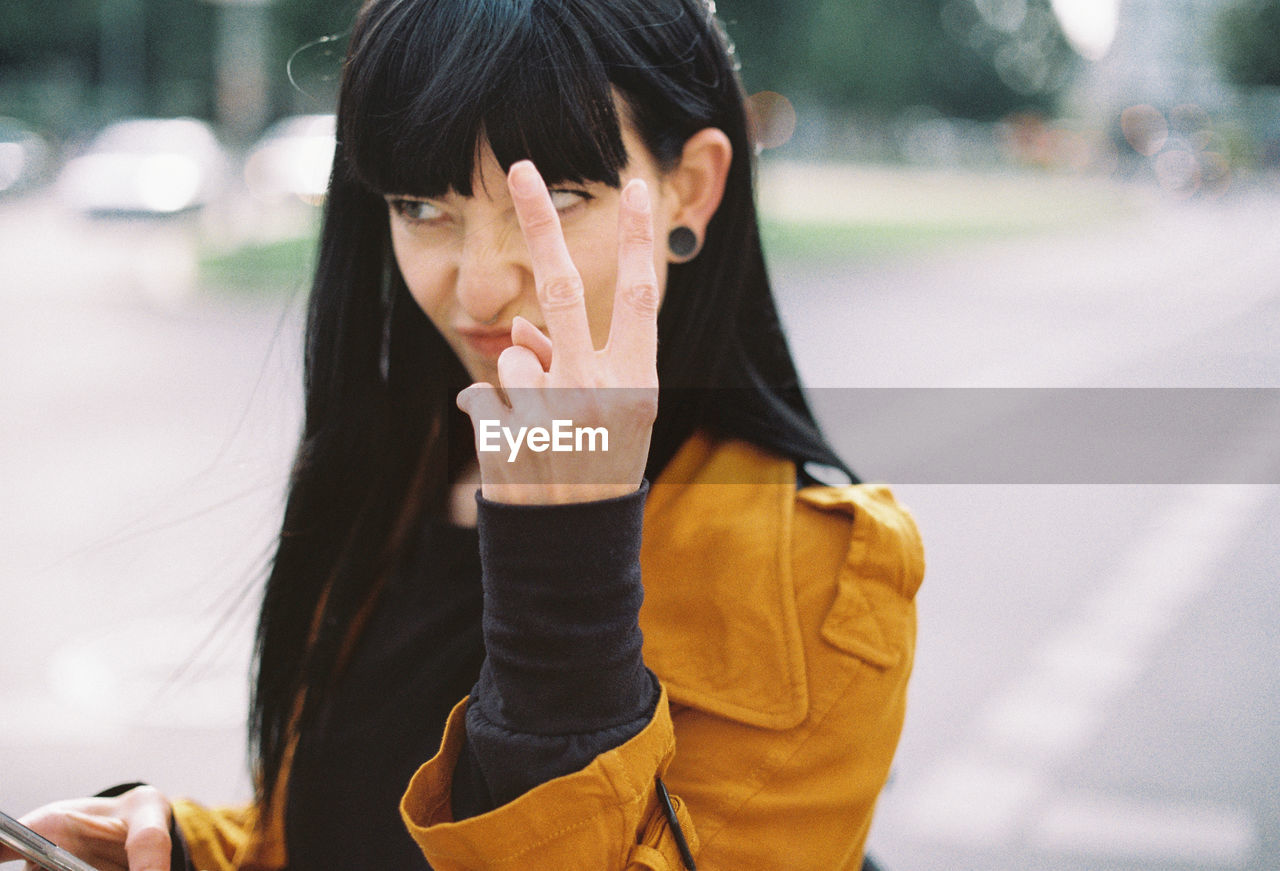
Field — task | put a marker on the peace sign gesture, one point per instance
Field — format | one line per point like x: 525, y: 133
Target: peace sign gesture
x: 577, y: 421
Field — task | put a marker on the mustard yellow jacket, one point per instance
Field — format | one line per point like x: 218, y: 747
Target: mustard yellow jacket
x: 782, y: 626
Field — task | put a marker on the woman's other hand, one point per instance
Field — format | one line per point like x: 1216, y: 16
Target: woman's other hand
x: 129, y: 832
x: 563, y: 377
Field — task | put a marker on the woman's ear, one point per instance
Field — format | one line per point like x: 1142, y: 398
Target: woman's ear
x: 697, y: 185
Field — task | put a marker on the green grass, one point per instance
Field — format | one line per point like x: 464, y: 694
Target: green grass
x: 890, y: 213
x: 827, y: 241
x: 849, y: 211
x: 287, y: 264
x: 261, y: 267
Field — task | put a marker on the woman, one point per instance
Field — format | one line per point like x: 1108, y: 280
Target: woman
x: 488, y: 262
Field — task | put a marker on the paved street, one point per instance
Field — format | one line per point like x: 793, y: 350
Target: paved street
x: 1098, y: 661
x: 144, y: 443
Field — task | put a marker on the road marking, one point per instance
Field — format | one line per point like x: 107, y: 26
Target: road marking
x: 1040, y: 722
x: 996, y: 789
x: 1098, y: 825
x: 973, y: 802
x: 1057, y: 706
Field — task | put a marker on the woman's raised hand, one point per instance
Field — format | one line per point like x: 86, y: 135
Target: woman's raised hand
x: 129, y: 832
x: 564, y: 378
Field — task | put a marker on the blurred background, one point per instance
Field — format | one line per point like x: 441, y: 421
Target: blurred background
x: 1021, y: 199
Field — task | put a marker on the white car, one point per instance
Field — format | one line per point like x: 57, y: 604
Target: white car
x: 292, y: 159
x: 148, y: 166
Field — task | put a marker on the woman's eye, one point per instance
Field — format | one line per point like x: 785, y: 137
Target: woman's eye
x: 416, y: 211
x: 564, y: 200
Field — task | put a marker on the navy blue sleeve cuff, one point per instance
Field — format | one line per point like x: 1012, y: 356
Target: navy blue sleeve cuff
x: 564, y: 679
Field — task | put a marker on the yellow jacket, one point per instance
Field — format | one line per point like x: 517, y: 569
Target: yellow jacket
x: 782, y: 626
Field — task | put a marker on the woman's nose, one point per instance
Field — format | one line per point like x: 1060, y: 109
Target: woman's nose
x: 493, y: 274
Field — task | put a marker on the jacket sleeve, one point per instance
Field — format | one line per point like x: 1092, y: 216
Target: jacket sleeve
x: 216, y: 838
x: 564, y: 677
x: 606, y: 816
x: 560, y: 742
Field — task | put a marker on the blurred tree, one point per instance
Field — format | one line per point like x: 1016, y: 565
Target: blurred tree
x: 309, y: 42
x: 32, y: 32
x: 873, y: 54
x: 48, y: 57
x: 60, y: 62
x: 998, y: 56
x: 965, y: 58
x: 1247, y: 42
x: 764, y: 35
x: 179, y: 57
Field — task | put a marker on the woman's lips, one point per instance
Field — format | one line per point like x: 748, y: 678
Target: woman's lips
x: 488, y: 343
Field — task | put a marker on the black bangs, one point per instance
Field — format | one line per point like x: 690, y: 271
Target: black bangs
x: 428, y: 84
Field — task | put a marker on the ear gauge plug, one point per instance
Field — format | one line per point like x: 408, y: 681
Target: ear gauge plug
x: 683, y: 243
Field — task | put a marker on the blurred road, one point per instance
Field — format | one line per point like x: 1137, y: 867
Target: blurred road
x: 1098, y: 663
x: 145, y: 437
x: 1099, y: 666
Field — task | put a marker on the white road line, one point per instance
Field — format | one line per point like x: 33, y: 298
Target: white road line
x: 1106, y: 826
x: 990, y: 792
x: 1039, y: 724
x: 973, y: 802
x: 1058, y: 704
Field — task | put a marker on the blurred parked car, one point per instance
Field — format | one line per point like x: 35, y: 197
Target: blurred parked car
x: 292, y: 159
x: 146, y: 166
x: 25, y: 156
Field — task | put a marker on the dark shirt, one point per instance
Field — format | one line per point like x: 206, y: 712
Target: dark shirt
x: 555, y: 609
x: 419, y: 654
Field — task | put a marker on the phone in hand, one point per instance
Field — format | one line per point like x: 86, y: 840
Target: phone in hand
x: 38, y: 849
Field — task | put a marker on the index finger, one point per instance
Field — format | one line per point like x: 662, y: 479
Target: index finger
x: 560, y: 289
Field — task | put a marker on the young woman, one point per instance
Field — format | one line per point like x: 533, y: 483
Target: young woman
x: 540, y: 211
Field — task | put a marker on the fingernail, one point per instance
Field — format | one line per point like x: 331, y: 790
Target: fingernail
x: 524, y: 178
x: 637, y: 194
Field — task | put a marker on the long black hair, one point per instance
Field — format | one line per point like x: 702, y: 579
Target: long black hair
x: 425, y: 85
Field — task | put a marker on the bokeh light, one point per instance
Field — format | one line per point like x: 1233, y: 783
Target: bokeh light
x: 1145, y: 128
x: 772, y: 118
x: 1183, y: 149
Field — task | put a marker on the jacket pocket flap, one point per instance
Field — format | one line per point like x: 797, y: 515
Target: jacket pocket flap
x: 881, y: 574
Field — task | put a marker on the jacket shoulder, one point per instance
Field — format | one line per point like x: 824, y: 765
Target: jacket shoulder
x: 741, y: 572
x: 878, y: 573
x: 885, y: 539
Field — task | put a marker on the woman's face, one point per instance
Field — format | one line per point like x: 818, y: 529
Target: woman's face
x: 466, y: 263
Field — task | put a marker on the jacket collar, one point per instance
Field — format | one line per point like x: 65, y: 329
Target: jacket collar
x: 719, y: 615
